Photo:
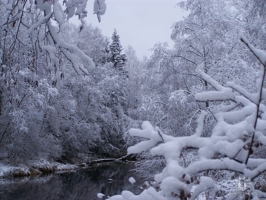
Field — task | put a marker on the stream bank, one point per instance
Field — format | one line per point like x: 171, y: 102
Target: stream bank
x: 44, y: 167
x: 109, y: 179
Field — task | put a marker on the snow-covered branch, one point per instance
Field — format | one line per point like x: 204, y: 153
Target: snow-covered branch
x: 255, y: 172
x: 222, y: 93
x: 99, y: 8
x: 259, y: 54
x: 221, y: 142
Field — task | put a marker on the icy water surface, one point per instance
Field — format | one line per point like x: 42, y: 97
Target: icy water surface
x: 83, y: 184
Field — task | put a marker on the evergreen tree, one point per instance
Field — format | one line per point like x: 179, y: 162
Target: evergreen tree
x: 116, y: 57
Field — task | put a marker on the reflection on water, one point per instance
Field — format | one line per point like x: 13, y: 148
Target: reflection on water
x: 83, y: 184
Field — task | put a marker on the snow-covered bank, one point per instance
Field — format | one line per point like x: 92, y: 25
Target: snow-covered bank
x: 36, y: 168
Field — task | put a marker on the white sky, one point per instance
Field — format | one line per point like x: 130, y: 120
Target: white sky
x: 139, y: 23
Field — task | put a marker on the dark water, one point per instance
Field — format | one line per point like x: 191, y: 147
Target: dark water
x: 83, y: 184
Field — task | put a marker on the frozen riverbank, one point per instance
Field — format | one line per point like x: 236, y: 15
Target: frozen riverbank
x: 36, y: 168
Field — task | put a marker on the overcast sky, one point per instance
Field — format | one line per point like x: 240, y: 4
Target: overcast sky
x: 139, y: 23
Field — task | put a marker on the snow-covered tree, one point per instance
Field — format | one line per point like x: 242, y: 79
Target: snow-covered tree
x: 134, y: 68
x: 116, y: 56
x: 90, y: 40
x: 206, y: 38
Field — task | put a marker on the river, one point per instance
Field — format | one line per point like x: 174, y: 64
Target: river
x: 79, y: 185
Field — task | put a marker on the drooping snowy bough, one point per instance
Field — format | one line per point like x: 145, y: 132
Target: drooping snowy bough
x: 42, y: 21
x: 240, y: 128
